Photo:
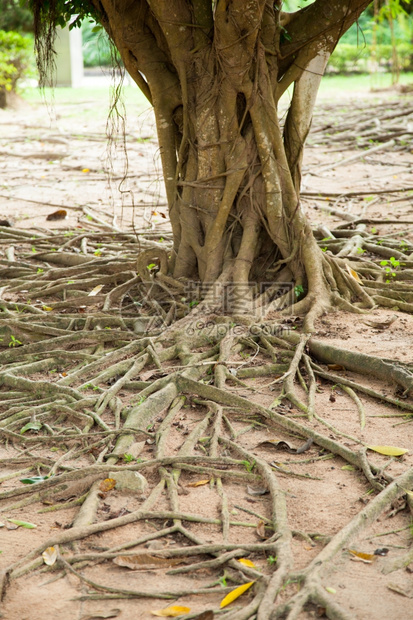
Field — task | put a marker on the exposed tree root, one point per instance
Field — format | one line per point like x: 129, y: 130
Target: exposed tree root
x: 112, y: 385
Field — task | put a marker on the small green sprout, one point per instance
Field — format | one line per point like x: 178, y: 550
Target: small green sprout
x: 13, y: 341
x: 298, y: 290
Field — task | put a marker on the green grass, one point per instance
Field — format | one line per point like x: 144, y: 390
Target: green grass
x: 95, y: 101
x: 359, y: 83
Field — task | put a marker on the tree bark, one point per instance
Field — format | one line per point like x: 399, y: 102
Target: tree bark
x: 232, y: 172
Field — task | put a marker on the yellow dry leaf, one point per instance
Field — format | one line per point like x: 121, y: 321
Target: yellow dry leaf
x: 388, y: 450
x: 234, y: 594
x: 96, y: 290
x: 409, y: 493
x: 368, y: 558
x: 199, y: 483
x: 173, y: 611
x: 85, y: 170
x: 354, y: 274
x: 247, y: 562
x: 107, y: 485
x: 47, y: 308
x: 49, y: 556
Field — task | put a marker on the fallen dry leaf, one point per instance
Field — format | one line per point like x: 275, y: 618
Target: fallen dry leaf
x: 96, y: 290
x: 200, y: 483
x: 335, y: 367
x: 354, y: 274
x: 60, y: 214
x: 49, y: 556
x: 234, y: 594
x: 281, y: 444
x: 107, y: 485
x: 368, y: 558
x: 388, y: 450
x: 257, y: 490
x: 171, y: 612
x: 247, y: 562
x: 260, y: 529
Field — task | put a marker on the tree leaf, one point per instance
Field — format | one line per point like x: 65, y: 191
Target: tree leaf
x: 256, y: 490
x: 173, y: 611
x: 96, y: 290
x: 107, y: 485
x: 368, y: 558
x: 33, y: 479
x: 247, y: 562
x: 354, y: 274
x: 200, y: 483
x: 29, y: 526
x: 335, y: 367
x: 31, y: 426
x: 388, y: 450
x: 260, y: 529
x: 49, y: 556
x: 234, y: 594
x: 280, y: 444
x: 60, y: 214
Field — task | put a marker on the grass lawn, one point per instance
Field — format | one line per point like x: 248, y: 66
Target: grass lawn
x: 360, y: 83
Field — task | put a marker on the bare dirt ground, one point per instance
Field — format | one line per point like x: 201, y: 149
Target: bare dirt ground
x: 46, y: 165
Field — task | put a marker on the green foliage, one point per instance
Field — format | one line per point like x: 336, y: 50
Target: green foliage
x: 248, y: 466
x: 371, y: 39
x: 14, y: 16
x: 62, y: 12
x: 15, y: 58
x: 298, y: 290
x: 14, y: 342
x: 352, y: 58
x: 390, y: 266
x: 97, y: 50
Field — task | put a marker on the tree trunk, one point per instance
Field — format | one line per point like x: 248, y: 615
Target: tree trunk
x: 3, y: 97
x: 232, y: 171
